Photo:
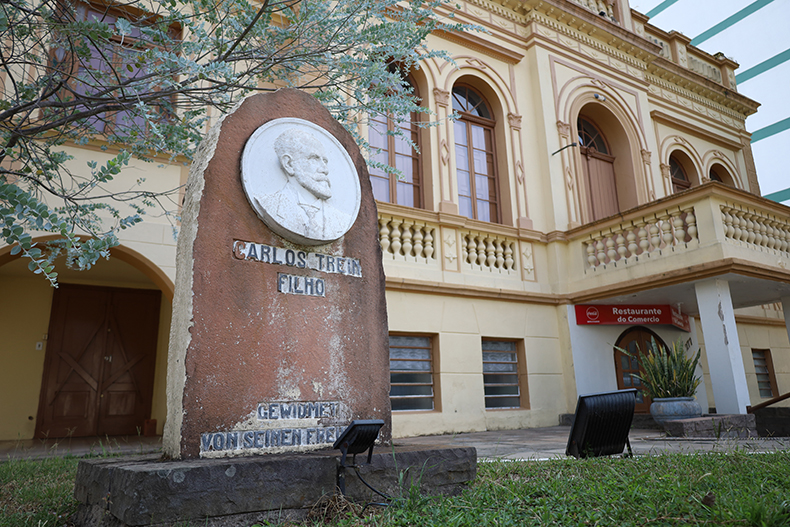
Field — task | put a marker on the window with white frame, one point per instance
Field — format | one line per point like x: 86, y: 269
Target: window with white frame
x: 501, y: 374
x: 411, y: 372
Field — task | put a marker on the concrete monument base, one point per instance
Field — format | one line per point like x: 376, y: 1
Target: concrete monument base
x: 144, y: 490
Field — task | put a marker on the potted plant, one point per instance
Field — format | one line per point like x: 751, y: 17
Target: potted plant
x: 670, y: 379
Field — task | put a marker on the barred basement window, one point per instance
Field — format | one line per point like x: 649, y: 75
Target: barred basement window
x: 500, y: 374
x: 411, y: 373
x: 764, y: 368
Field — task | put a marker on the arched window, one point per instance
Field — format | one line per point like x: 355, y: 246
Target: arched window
x: 590, y: 137
x: 680, y: 180
x: 474, y: 156
x: 395, y: 151
x: 714, y: 176
x: 598, y: 167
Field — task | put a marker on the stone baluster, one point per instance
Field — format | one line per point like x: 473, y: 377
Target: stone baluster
x: 781, y: 236
x: 611, y: 251
x: 727, y: 220
x: 767, y: 239
x: 591, y: 259
x: 384, y: 234
x: 428, y: 242
x: 739, y: 224
x: 395, y: 236
x: 509, y: 256
x: 778, y: 235
x: 631, y: 239
x: 471, y: 248
x: 622, y: 250
x: 481, y: 251
x: 417, y: 240
x: 691, y: 224
x: 406, y: 236
x: 655, y: 238
x: 490, y: 252
x: 644, y: 242
x: 784, y: 235
x: 749, y: 227
x: 599, y: 247
x: 666, y: 230
x: 500, y: 259
x: 758, y: 237
x: 677, y: 227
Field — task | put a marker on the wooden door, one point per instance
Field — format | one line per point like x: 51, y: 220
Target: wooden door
x: 100, y: 360
x: 599, y: 169
x: 636, y: 341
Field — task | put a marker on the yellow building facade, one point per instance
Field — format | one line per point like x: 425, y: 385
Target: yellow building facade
x: 596, y: 161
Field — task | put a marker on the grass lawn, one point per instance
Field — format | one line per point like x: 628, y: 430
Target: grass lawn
x: 703, y: 489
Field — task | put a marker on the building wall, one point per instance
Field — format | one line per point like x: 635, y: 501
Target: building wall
x: 538, y: 72
x: 458, y: 326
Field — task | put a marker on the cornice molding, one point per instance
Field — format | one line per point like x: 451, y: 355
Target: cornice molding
x: 693, y: 129
x: 460, y: 290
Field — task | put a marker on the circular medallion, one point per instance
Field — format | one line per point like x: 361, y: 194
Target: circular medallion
x: 300, y: 181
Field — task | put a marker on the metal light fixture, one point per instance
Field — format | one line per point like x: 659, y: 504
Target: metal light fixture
x: 601, y: 424
x: 359, y: 436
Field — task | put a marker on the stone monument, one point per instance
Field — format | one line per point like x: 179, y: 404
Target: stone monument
x: 279, y: 331
x: 278, y: 337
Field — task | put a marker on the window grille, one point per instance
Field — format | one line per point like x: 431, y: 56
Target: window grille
x: 411, y: 373
x: 766, y: 379
x: 500, y: 374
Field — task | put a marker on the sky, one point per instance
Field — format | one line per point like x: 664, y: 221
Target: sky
x: 750, y: 32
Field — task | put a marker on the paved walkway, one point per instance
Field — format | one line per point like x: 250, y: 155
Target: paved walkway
x: 547, y: 443
x: 532, y: 443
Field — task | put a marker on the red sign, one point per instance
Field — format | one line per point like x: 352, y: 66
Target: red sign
x: 631, y: 315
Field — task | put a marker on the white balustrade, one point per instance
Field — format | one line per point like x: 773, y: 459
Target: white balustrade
x: 488, y: 252
x: 649, y: 236
x: 756, y: 228
x: 408, y: 240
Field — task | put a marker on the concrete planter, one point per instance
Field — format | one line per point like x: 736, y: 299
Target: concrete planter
x: 673, y: 408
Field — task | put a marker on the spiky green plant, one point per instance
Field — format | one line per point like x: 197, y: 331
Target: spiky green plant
x: 669, y: 372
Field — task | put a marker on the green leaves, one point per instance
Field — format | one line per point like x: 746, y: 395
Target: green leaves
x: 138, y: 79
x: 668, y: 372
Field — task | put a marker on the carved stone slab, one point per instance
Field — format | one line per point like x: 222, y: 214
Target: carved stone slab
x: 279, y: 332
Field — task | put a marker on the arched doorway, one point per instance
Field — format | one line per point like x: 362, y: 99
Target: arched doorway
x: 598, y: 168
x: 78, y: 359
x: 635, y: 341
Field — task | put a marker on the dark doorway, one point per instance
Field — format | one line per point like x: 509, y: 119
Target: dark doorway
x: 99, y: 366
x: 636, y: 341
x: 598, y: 166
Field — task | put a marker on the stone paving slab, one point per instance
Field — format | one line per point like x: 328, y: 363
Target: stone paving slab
x: 549, y: 443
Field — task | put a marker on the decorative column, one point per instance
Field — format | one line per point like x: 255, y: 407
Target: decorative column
x: 667, y: 178
x: 523, y: 221
x: 446, y: 183
x: 572, y: 197
x: 649, y: 184
x: 725, y: 361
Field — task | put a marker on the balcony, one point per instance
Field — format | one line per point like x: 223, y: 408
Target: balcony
x: 708, y: 231
x: 439, y: 252
x: 656, y: 250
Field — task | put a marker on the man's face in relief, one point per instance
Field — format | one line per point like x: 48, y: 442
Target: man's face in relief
x: 309, y: 168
